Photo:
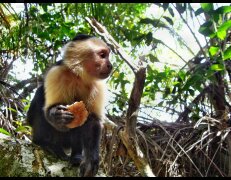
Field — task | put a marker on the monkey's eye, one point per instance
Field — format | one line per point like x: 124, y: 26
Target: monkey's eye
x: 102, y: 55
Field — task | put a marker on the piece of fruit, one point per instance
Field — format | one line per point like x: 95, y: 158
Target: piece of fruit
x: 80, y: 113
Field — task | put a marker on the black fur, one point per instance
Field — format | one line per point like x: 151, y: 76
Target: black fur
x: 85, y: 137
x: 81, y: 37
x: 50, y: 133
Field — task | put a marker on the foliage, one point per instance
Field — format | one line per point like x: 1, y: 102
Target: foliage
x: 194, y: 87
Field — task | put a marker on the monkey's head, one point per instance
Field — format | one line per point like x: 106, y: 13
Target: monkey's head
x: 88, y: 57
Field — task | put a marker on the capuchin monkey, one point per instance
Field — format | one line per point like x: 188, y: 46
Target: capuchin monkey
x: 75, y: 78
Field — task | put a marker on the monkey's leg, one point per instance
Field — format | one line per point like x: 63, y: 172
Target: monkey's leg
x: 56, y: 150
x: 51, y: 142
x: 91, y: 133
x: 44, y: 134
x: 76, y: 147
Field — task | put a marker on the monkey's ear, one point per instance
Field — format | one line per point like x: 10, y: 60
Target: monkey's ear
x: 81, y: 37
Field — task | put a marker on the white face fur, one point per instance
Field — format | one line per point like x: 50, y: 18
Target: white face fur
x: 88, y: 58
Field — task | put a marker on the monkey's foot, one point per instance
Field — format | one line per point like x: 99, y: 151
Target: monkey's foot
x: 89, y: 168
x: 76, y: 160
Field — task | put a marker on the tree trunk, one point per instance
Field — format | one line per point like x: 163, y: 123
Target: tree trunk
x: 21, y: 158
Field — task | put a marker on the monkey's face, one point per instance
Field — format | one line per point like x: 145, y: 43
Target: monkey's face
x: 99, y: 66
x: 89, y: 58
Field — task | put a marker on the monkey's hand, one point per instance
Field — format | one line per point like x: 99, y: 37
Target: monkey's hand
x: 59, y: 116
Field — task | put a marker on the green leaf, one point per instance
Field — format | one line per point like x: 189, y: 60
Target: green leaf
x: 153, y: 58
x: 180, y: 8
x: 207, y: 7
x: 221, y: 34
x: 3, y: 131
x: 221, y: 31
x: 146, y: 21
x: 165, y: 6
x: 217, y: 67
x: 227, y: 53
x: 205, y: 29
x: 198, y: 11
x: 191, y: 92
x: 225, y: 26
x: 171, y: 11
x: 213, y: 50
x: 149, y: 38
x: 223, y: 9
x: 174, y: 83
x: 182, y: 75
x: 12, y: 110
x: 26, y: 107
x: 196, y: 78
x: 22, y: 128
x: 168, y: 19
x: 44, y: 6
x: 160, y: 104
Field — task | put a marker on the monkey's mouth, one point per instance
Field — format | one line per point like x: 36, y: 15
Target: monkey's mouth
x: 104, y: 75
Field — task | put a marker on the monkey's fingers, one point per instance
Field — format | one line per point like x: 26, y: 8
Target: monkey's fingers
x: 62, y: 107
x: 65, y: 116
x: 60, y: 114
x: 57, y: 110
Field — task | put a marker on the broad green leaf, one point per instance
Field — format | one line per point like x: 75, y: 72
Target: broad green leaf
x: 221, y: 31
x: 225, y: 26
x: 221, y: 34
x: 3, y: 131
x: 175, y: 83
x: 207, y: 7
x: 216, y: 17
x: 182, y: 75
x: 205, y: 28
x: 227, y: 53
x: 194, y: 80
x: 217, y: 67
x: 213, y: 50
x: 223, y: 9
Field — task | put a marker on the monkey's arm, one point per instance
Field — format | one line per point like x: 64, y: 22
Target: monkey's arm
x: 56, y: 97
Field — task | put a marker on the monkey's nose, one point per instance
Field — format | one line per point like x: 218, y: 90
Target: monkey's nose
x: 109, y: 66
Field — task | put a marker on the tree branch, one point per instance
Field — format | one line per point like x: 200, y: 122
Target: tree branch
x: 116, y: 48
x: 128, y: 135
